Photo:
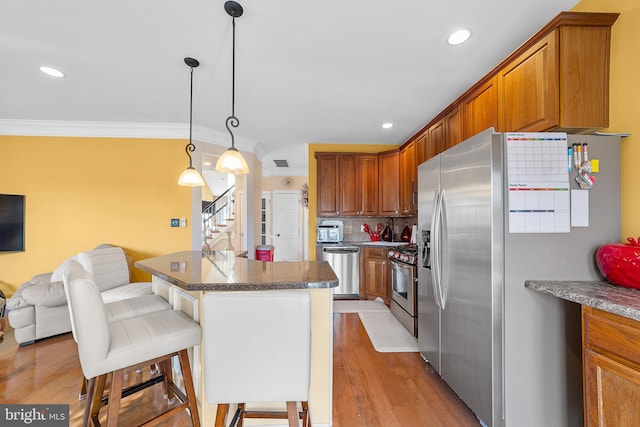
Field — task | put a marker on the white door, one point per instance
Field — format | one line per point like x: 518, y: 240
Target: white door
x: 287, y: 237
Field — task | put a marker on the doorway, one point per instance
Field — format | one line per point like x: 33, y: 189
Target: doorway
x: 287, y: 235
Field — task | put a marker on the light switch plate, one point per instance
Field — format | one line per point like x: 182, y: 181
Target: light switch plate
x: 183, y: 222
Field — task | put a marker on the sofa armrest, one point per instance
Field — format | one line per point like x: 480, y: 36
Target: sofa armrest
x: 47, y: 295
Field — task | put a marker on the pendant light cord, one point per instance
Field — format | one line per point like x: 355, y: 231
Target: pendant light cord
x: 190, y: 148
x: 232, y: 119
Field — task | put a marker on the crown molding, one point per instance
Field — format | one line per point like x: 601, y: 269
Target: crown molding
x: 120, y: 130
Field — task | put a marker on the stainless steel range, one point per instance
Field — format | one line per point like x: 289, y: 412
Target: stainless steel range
x: 404, y: 284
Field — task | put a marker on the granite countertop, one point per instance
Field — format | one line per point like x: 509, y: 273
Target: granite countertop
x: 601, y: 295
x: 224, y: 271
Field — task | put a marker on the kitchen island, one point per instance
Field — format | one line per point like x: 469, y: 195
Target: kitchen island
x: 610, y: 348
x: 183, y: 277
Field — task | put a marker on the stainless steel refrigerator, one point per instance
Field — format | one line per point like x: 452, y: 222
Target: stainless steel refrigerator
x: 511, y: 354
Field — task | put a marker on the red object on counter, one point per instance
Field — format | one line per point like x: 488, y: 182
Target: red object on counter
x: 620, y: 263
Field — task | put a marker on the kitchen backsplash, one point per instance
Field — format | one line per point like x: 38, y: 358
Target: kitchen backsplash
x: 352, y: 226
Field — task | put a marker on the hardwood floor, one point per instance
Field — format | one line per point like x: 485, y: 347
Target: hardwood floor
x: 369, y: 388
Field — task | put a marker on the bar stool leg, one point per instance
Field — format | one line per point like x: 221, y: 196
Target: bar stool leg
x: 185, y: 367
x: 94, y: 403
x: 306, y: 419
x: 115, y: 395
x: 221, y: 414
x: 292, y: 413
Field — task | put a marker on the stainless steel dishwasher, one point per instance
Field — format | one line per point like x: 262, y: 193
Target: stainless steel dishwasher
x: 345, y: 262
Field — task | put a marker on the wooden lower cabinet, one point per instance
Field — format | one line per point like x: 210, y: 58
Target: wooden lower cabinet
x: 611, y: 356
x: 374, y: 274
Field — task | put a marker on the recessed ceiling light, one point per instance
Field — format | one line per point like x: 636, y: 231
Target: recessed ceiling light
x: 459, y: 37
x: 387, y: 125
x: 52, y: 71
x: 206, y: 163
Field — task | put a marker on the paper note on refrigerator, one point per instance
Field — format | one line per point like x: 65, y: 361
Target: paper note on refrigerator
x: 538, y: 180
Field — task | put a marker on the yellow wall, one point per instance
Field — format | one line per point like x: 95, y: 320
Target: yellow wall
x: 81, y: 192
x: 313, y: 172
x: 624, y: 98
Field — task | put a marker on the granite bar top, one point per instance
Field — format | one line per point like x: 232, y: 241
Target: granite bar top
x: 224, y: 271
x: 601, y: 295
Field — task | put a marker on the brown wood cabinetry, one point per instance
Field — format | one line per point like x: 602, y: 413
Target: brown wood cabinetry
x: 422, y: 146
x: 374, y: 273
x: 611, y: 356
x: 559, y: 83
x: 558, y: 80
x: 480, y: 109
x: 359, y: 184
x: 347, y: 184
x: 328, y: 167
x: 408, y: 178
x: 528, y: 89
x: 389, y: 182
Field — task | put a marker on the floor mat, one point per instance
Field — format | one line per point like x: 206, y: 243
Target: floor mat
x: 350, y: 306
x: 387, y: 333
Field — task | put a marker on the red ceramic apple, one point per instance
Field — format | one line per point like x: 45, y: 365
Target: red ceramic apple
x: 620, y: 263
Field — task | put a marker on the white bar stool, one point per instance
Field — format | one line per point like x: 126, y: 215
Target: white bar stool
x: 132, y: 343
x: 116, y: 310
x: 257, y: 348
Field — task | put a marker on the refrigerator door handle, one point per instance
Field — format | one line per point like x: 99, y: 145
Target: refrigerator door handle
x: 443, y: 258
x: 435, y: 248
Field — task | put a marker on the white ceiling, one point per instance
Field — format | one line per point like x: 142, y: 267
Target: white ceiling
x: 316, y: 71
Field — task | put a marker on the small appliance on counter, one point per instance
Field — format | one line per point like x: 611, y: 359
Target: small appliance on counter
x: 330, y: 231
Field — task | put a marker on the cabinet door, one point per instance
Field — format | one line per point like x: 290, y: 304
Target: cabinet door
x: 328, y: 173
x: 480, y: 109
x: 528, y: 89
x: 612, y: 392
x: 348, y: 188
x: 368, y: 184
x: 389, y: 182
x: 437, y: 138
x: 376, y: 276
x: 421, y: 147
x: 454, y: 127
x: 408, y: 177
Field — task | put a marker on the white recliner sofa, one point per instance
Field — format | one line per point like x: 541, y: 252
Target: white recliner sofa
x: 38, y: 309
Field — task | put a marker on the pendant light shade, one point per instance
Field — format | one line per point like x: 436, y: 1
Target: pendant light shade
x: 190, y: 177
x: 232, y: 161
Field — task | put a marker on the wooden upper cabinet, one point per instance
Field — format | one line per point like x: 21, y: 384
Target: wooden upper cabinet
x: 422, y: 142
x: 454, y: 127
x: 480, y: 109
x: 368, y: 184
x: 558, y: 80
x: 328, y: 172
x: 437, y: 138
x: 348, y: 184
x: 560, y: 83
x: 389, y: 182
x: 528, y: 89
x: 408, y: 179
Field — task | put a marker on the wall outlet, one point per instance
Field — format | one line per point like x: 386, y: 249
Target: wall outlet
x: 362, y: 228
x: 175, y: 222
x: 183, y: 222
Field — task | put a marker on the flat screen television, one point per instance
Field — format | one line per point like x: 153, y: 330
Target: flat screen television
x: 11, y: 223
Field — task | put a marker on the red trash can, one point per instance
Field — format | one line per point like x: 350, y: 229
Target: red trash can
x: 264, y: 253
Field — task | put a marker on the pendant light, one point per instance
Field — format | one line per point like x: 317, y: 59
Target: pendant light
x: 190, y: 177
x: 232, y: 161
